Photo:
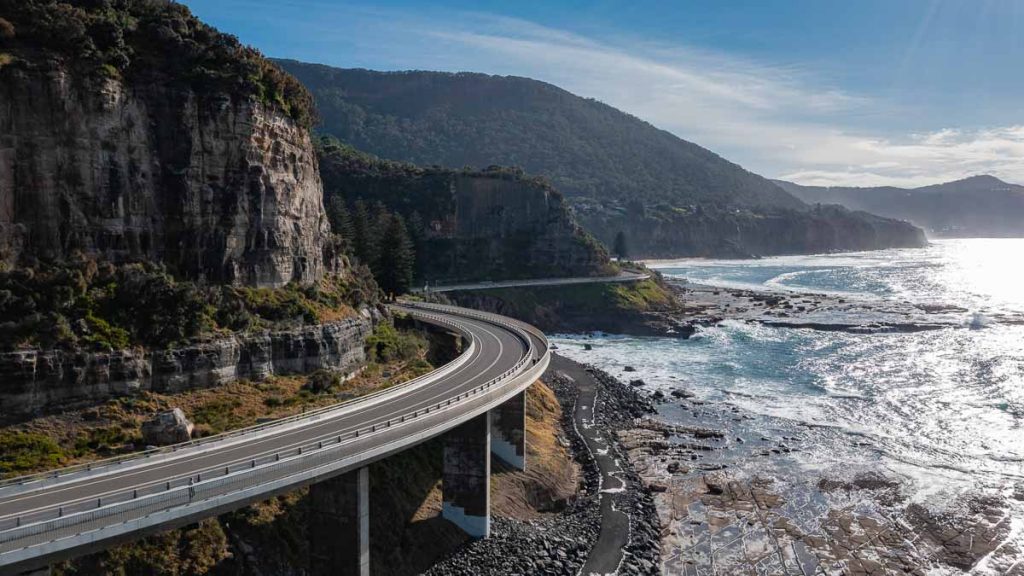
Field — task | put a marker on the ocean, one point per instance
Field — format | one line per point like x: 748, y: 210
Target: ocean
x: 940, y: 410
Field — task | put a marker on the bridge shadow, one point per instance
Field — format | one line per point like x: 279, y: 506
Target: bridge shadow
x: 407, y: 533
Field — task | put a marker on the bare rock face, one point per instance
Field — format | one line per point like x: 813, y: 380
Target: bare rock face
x: 485, y: 225
x: 165, y: 428
x: 217, y: 186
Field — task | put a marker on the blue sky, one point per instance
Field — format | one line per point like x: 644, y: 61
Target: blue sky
x: 851, y: 92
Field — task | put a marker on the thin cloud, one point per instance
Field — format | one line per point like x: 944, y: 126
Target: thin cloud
x: 923, y: 159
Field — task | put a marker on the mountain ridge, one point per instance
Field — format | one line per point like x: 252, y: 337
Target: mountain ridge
x: 976, y: 206
x: 360, y: 112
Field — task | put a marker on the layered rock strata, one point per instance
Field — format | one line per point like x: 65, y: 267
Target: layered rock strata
x: 33, y: 380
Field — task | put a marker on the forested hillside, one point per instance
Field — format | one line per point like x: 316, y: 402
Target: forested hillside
x: 584, y: 147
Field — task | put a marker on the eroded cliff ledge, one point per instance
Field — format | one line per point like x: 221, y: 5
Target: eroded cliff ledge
x: 34, y: 381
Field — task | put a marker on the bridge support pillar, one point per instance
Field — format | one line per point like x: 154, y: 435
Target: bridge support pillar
x: 339, y: 525
x: 508, y: 431
x: 466, y: 479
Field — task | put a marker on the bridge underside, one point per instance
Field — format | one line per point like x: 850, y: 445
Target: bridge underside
x: 338, y: 528
x: 339, y: 525
x: 339, y: 522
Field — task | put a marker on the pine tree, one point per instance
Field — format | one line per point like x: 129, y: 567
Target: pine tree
x: 364, y: 241
x: 397, y: 260
x: 418, y: 236
x: 379, y: 221
x: 621, y: 248
x: 341, y: 221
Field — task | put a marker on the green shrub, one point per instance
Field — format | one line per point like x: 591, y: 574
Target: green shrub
x: 387, y: 344
x: 218, y: 414
x: 104, y: 440
x: 22, y: 452
x: 102, y: 335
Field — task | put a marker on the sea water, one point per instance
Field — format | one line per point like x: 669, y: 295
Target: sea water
x: 943, y: 410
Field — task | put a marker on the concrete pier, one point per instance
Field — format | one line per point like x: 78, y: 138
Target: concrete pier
x: 339, y: 525
x: 508, y: 431
x: 466, y: 479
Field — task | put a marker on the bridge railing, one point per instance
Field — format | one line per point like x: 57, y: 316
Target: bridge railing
x: 210, y: 483
x: 98, y: 465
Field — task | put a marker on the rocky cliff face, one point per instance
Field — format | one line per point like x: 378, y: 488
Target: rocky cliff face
x: 34, y: 380
x: 474, y: 225
x: 696, y: 232
x: 217, y: 187
x: 505, y: 227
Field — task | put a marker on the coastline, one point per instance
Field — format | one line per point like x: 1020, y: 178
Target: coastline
x: 729, y: 493
x: 604, y: 529
x: 743, y: 492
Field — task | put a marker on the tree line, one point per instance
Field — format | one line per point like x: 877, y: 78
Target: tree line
x: 381, y: 239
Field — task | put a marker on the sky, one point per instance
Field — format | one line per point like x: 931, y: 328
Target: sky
x: 819, y: 92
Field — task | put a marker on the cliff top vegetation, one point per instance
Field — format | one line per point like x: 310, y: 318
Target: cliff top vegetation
x: 144, y: 39
x: 101, y: 306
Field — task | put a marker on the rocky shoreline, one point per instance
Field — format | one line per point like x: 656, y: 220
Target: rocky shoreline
x: 709, y: 305
x: 561, y: 543
x: 728, y: 498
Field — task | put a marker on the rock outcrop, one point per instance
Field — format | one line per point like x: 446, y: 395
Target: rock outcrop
x: 217, y: 187
x: 166, y: 428
x: 33, y: 381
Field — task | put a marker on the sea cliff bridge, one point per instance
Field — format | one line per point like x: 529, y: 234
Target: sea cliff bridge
x: 475, y: 402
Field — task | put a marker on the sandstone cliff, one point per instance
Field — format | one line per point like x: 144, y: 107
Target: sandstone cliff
x: 473, y: 225
x: 156, y: 144
x: 216, y: 187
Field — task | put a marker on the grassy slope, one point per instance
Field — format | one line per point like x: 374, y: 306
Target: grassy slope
x: 628, y: 307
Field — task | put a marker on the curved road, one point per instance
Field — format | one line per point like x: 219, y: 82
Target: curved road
x: 623, y: 276
x: 44, y: 519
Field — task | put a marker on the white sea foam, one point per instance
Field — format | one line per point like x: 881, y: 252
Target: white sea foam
x: 943, y: 409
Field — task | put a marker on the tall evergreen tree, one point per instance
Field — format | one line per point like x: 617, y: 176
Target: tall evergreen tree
x: 341, y: 221
x: 418, y: 236
x: 397, y: 260
x: 621, y: 248
x: 380, y: 220
x: 363, y: 239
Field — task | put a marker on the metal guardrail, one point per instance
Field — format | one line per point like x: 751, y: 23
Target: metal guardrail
x: 128, y: 504
x: 98, y: 465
